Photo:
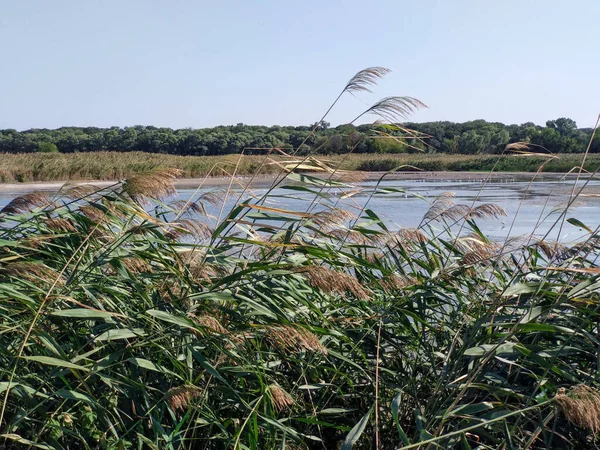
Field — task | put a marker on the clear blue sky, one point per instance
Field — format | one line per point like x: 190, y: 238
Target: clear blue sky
x: 203, y: 63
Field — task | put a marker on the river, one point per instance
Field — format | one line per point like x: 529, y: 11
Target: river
x: 531, y: 207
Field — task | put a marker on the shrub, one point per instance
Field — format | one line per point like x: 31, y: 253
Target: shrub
x: 47, y: 147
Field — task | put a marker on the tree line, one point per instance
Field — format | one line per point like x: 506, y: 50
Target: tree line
x: 474, y: 137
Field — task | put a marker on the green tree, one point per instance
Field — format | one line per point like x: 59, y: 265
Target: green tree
x: 563, y: 125
x: 471, y: 143
x: 47, y: 147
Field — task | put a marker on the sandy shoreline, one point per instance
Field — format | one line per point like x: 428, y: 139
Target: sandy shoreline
x: 266, y: 180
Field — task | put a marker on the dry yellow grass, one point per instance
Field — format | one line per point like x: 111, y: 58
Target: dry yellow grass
x: 118, y: 166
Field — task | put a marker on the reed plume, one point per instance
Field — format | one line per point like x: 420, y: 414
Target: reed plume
x: 581, y: 406
x: 333, y: 281
x: 186, y: 227
x: 208, y: 322
x: 394, y: 109
x: 333, y: 217
x: 281, y: 399
x: 412, y: 236
x: 27, y: 202
x: 157, y: 185
x: 487, y: 210
x: 395, y: 282
x: 476, y: 250
x: 443, y: 202
x: 33, y: 272
x: 291, y: 338
x: 180, y: 398
x: 60, y: 224
x: 136, y: 265
x: 363, y: 80
x: 93, y: 213
x: 78, y: 191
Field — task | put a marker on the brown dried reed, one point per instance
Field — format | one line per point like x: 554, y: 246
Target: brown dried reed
x: 443, y: 202
x: 157, y: 184
x: 27, y: 202
x: 186, y: 227
x: 333, y: 281
x: 281, y: 399
x: 581, y: 406
x: 33, y: 272
x: 180, y: 398
x: 290, y: 338
x: 60, y: 224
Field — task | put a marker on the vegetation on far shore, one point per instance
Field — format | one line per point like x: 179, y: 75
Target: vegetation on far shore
x: 117, y: 166
x: 475, y: 137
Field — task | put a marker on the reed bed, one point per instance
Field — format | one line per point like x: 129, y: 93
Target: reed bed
x: 129, y: 320
x: 31, y: 167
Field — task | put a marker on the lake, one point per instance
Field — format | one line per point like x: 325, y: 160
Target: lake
x: 530, y: 206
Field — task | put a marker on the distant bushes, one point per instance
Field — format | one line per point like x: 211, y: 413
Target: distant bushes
x: 475, y: 137
x: 47, y: 147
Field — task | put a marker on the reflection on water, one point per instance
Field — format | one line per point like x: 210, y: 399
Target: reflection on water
x: 530, y: 206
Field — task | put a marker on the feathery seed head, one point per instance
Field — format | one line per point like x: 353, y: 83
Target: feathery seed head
x: 443, y: 202
x: 366, y: 78
x: 412, y: 236
x: 210, y: 323
x: 60, y: 224
x: 157, y: 184
x: 333, y: 282
x: 395, y: 109
x: 188, y: 227
x: 27, y: 202
x: 179, y: 398
x: 290, y: 338
x: 333, y: 217
x: 581, y: 406
x: 280, y: 398
x: 32, y: 272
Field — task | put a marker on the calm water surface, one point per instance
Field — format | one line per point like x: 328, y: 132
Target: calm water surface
x: 530, y: 207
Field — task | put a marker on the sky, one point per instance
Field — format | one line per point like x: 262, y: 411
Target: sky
x: 202, y: 63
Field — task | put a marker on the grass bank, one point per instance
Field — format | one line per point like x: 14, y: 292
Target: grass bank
x: 115, y: 166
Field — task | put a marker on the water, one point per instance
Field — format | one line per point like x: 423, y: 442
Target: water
x: 529, y: 206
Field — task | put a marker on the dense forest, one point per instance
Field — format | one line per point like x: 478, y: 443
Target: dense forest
x: 475, y: 137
